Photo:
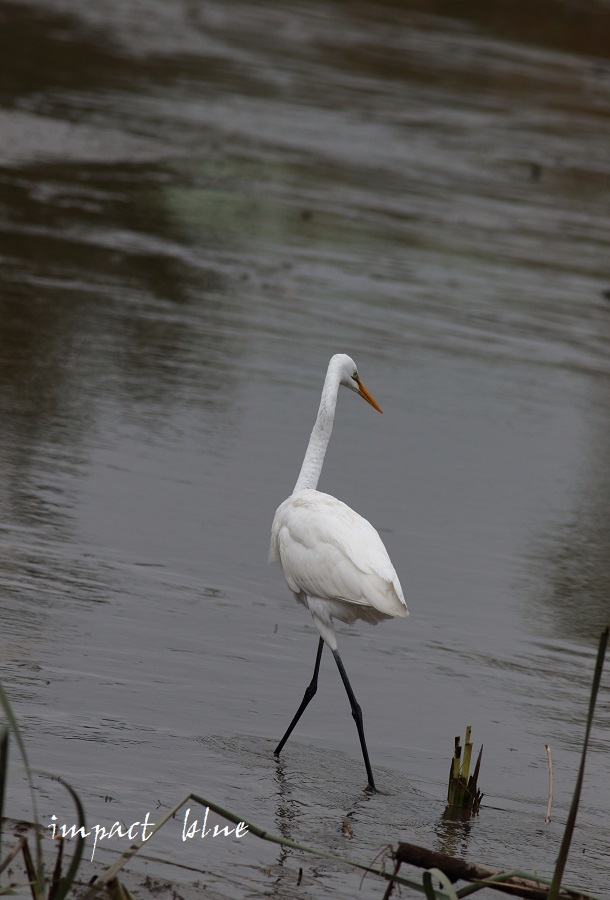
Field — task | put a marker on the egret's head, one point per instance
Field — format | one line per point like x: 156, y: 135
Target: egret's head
x: 349, y: 378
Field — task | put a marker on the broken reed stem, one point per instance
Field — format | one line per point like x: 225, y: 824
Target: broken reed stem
x: 457, y: 753
x: 467, y: 754
x: 550, y: 803
x: 462, y: 790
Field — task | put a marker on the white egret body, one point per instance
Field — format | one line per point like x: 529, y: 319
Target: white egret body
x: 334, y: 561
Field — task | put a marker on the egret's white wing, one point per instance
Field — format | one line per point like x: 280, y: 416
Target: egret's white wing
x: 329, y: 551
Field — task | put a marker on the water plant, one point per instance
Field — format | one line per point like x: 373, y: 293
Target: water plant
x: 463, y: 792
x: 58, y: 885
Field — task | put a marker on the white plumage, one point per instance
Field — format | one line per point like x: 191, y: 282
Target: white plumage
x: 334, y: 561
x: 330, y: 553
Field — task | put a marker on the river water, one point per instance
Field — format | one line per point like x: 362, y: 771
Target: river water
x: 199, y: 205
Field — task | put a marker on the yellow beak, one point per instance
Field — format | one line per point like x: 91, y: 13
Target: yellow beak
x: 368, y: 397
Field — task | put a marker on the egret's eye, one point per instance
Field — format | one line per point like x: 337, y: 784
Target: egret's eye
x: 355, y: 376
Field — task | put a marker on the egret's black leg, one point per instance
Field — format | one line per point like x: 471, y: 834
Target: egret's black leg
x: 309, y: 693
x: 357, y: 714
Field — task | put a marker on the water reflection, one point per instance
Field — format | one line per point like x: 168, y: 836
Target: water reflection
x: 453, y: 831
x: 575, y: 553
x: 69, y: 314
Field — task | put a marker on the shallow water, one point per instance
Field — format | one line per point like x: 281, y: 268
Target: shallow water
x: 199, y: 205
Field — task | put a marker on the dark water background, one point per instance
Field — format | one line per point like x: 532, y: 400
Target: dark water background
x: 199, y: 204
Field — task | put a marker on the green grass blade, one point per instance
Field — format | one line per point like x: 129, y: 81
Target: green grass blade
x: 66, y: 882
x: 571, y: 820
x: 440, y: 876
x: 428, y: 886
x: 3, y: 774
x: 56, y: 876
x: 36, y: 888
x: 39, y: 869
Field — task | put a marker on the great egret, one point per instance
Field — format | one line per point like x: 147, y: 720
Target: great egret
x: 334, y: 561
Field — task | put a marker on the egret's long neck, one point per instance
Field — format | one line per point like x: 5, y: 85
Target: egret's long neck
x: 320, y: 435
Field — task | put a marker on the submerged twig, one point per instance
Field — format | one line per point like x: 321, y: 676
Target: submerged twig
x: 390, y: 887
x: 16, y: 850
